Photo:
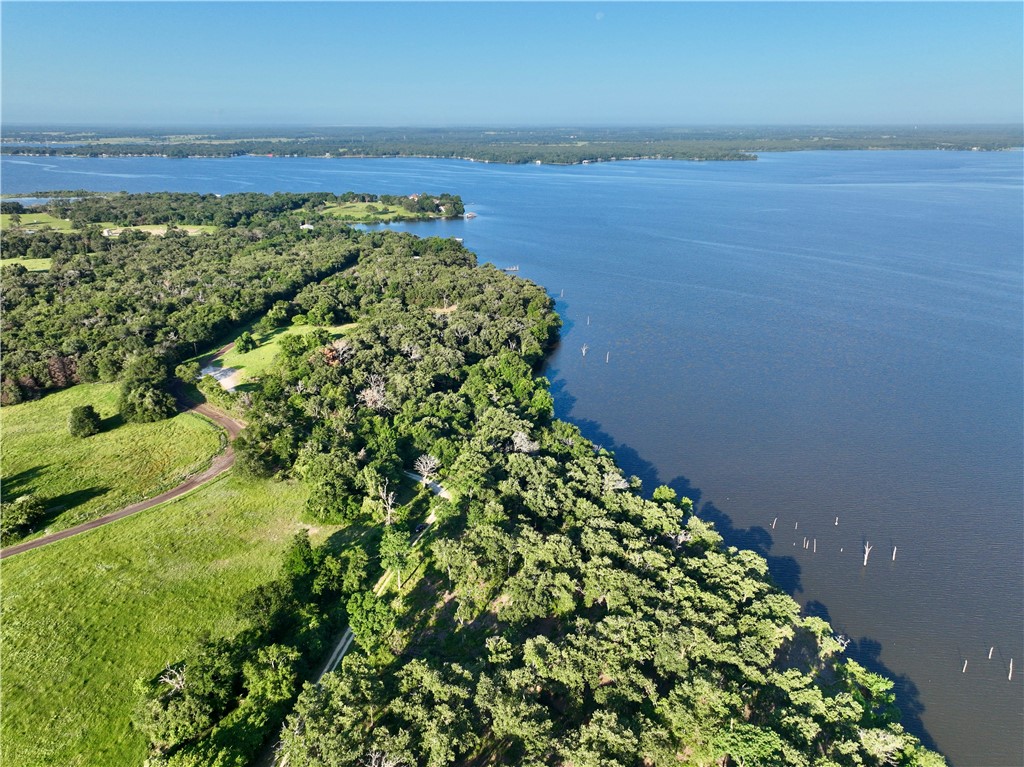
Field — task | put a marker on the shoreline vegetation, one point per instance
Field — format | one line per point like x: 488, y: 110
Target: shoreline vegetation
x: 539, y: 146
x: 556, y: 613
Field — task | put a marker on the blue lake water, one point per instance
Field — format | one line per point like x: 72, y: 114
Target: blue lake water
x: 809, y: 336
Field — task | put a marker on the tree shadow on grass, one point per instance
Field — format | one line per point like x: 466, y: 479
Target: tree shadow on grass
x: 15, y: 485
x: 112, y: 422
x: 61, y: 503
x: 363, y: 532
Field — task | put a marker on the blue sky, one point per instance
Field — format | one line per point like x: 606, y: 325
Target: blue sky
x: 580, y: 63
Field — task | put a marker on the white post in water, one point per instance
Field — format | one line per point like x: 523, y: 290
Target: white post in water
x: 562, y: 294
x: 837, y: 521
x: 588, y: 319
x: 815, y: 549
x: 606, y: 356
x: 1009, y: 677
x: 584, y: 349
x: 990, y: 649
x: 964, y: 670
x: 893, y: 553
x: 867, y: 551
x: 796, y: 525
x: 773, y: 522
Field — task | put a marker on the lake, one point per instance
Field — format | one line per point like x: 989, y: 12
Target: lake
x: 809, y: 337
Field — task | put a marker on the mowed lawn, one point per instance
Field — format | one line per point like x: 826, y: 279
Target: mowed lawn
x: 253, y: 364
x: 82, y: 619
x: 35, y: 220
x: 83, y: 478
x: 32, y: 264
x: 39, y: 220
x: 372, y: 212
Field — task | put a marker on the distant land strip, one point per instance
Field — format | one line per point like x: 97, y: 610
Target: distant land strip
x: 544, y: 146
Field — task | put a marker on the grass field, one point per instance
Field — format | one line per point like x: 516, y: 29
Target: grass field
x: 32, y: 264
x: 253, y: 364
x: 82, y: 619
x: 81, y: 479
x: 35, y: 220
x: 359, y: 212
x: 38, y: 220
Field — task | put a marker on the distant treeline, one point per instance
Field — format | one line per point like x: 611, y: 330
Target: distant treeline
x: 190, y: 209
x: 560, y: 146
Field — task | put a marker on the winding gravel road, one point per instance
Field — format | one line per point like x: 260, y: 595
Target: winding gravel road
x: 221, y: 463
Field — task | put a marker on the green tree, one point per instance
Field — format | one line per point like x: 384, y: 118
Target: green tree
x: 245, y: 343
x: 371, y: 619
x: 394, y: 550
x: 188, y: 372
x: 83, y: 421
x: 19, y: 516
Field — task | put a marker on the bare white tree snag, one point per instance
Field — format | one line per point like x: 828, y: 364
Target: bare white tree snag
x: 588, y: 319
x: 584, y: 349
x: 990, y: 649
x: 796, y: 525
x: 867, y: 551
x: 773, y: 522
x: 606, y: 356
x: 964, y: 669
x: 805, y: 541
x: 1009, y: 677
x: 426, y: 466
x: 613, y: 481
x: 893, y: 553
x: 815, y: 546
x: 562, y: 293
x: 383, y: 759
x: 521, y: 443
x: 175, y: 677
x: 375, y: 395
x: 837, y: 521
x: 387, y: 499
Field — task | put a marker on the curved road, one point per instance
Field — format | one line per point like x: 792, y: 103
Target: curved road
x: 221, y: 463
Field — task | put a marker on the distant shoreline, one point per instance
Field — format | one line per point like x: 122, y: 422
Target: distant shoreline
x: 555, y: 146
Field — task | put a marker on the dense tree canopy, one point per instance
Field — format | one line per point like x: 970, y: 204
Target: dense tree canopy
x: 106, y: 300
x: 564, y: 619
x: 552, y: 614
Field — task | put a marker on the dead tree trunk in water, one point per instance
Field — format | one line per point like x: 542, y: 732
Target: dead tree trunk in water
x: 867, y: 551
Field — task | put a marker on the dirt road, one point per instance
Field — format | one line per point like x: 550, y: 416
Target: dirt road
x: 220, y: 464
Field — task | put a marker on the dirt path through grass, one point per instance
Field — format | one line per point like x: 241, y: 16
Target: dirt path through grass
x: 221, y: 463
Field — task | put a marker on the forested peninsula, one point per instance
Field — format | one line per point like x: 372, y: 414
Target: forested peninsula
x: 565, y: 146
x: 544, y: 610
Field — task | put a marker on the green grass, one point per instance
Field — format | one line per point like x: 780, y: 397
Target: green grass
x: 81, y: 479
x: 32, y: 264
x: 38, y: 220
x: 358, y: 212
x: 253, y: 364
x: 35, y: 220
x: 83, y: 618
